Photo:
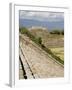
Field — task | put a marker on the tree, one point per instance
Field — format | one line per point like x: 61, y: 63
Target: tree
x: 40, y: 40
x: 62, y: 32
x: 55, y: 32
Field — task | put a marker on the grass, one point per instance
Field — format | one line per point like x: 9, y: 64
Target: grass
x: 58, y: 52
x: 52, y: 54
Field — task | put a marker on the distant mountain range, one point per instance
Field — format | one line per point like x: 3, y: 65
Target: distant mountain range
x: 50, y: 25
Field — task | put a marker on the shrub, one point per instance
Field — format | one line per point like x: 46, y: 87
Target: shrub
x: 23, y: 30
x: 40, y: 40
x: 62, y: 32
x: 55, y: 32
x: 42, y: 45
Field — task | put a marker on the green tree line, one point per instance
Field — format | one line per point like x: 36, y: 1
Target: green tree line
x: 59, y: 32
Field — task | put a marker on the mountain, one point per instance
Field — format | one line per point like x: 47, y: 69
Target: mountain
x: 50, y: 25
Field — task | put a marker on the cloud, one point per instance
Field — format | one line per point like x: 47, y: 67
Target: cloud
x: 47, y: 16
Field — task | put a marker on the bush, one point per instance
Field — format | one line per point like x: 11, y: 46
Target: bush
x: 23, y: 30
x: 55, y: 32
x: 62, y: 32
x: 39, y: 40
x: 42, y: 45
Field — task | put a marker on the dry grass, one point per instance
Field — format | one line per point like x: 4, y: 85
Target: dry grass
x: 58, y: 52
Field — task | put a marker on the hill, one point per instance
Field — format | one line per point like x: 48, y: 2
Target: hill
x: 50, y: 25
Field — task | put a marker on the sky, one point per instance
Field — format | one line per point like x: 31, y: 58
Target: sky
x: 54, y: 17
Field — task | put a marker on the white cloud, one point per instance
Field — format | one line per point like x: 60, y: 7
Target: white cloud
x: 48, y: 16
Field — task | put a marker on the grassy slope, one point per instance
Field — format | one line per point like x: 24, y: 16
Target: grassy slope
x: 44, y: 35
x: 58, y: 52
